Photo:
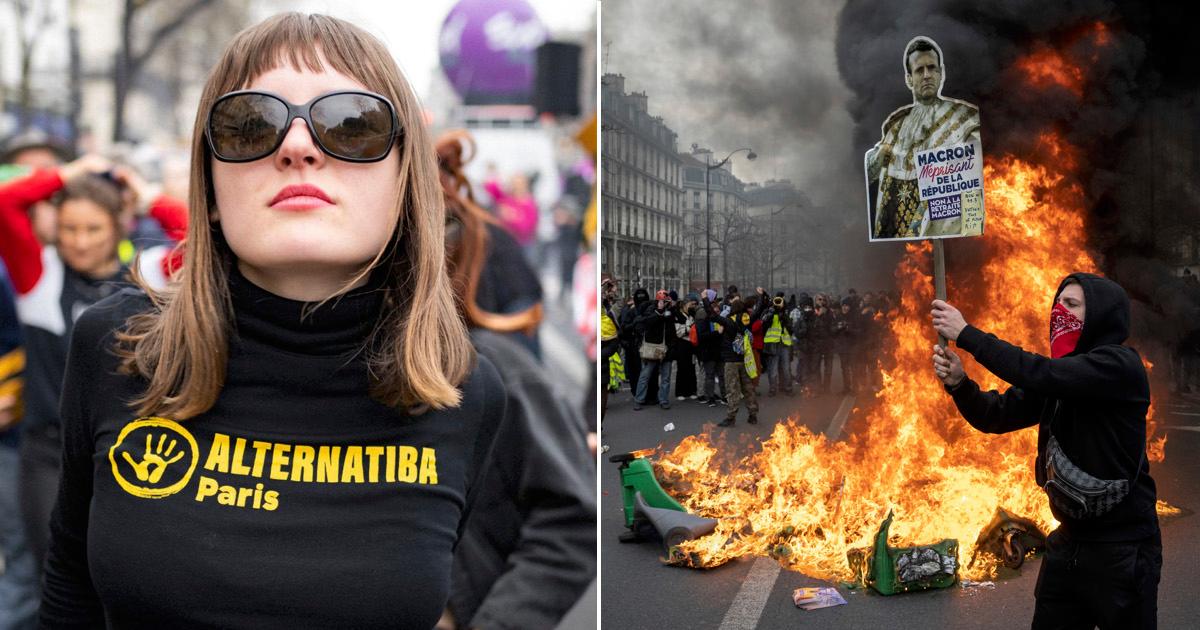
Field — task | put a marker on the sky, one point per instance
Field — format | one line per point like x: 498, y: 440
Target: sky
x: 756, y: 73
x: 410, y: 28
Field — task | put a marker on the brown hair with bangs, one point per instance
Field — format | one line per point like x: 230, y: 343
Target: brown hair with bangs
x: 421, y: 349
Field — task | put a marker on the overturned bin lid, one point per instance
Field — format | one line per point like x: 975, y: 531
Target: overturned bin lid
x: 891, y: 570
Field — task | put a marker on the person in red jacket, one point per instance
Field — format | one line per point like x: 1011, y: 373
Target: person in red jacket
x: 758, y: 331
x: 54, y: 285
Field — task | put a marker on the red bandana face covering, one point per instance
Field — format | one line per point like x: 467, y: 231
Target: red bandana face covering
x: 1065, y: 329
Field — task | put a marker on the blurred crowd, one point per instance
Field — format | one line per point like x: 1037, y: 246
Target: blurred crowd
x: 76, y: 228
x: 721, y: 347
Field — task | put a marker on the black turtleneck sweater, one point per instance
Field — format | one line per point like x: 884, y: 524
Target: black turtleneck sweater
x: 296, y: 501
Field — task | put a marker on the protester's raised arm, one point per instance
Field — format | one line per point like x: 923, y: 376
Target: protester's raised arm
x: 19, y: 246
x: 1111, y: 371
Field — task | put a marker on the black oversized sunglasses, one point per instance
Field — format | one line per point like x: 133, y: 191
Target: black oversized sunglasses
x: 349, y: 125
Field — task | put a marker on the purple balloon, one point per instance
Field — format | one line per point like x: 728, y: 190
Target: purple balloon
x: 487, y: 50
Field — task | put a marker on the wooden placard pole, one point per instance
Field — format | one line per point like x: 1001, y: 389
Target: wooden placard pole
x: 939, y: 277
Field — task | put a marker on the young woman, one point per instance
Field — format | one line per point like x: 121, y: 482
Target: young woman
x: 290, y: 435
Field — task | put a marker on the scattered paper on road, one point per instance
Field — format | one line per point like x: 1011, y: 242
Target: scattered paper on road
x: 670, y: 427
x: 814, y: 598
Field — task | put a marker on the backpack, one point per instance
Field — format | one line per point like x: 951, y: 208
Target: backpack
x: 799, y: 326
x: 741, y: 342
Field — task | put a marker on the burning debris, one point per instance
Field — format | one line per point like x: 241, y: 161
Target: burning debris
x: 1010, y: 538
x: 891, y: 570
x: 816, y: 506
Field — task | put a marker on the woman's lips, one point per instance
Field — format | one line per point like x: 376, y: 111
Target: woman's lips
x: 300, y: 203
x: 299, y: 197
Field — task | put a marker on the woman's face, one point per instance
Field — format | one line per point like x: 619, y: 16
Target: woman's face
x: 519, y: 186
x: 305, y: 248
x: 87, y: 238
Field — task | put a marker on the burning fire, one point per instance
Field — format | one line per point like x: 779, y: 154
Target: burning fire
x: 1045, y: 67
x: 806, y: 500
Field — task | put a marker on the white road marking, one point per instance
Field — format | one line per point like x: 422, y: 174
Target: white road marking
x: 1183, y: 428
x: 751, y: 598
x: 747, y: 607
x: 839, y: 419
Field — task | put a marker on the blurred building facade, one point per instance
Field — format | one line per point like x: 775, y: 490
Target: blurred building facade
x: 642, y: 194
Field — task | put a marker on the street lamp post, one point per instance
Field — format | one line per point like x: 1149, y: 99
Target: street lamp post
x: 708, y: 168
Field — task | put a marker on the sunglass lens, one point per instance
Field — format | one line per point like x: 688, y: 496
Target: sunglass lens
x: 354, y: 126
x: 247, y: 126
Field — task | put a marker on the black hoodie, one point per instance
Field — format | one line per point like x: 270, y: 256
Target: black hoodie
x: 1102, y: 394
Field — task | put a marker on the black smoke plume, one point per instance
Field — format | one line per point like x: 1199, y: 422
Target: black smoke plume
x: 1134, y: 72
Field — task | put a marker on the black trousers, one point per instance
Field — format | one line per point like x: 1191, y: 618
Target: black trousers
x: 1106, y: 585
x: 633, y: 365
x: 685, y: 372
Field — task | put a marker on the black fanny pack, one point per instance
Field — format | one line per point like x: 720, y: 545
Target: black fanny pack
x: 1076, y: 492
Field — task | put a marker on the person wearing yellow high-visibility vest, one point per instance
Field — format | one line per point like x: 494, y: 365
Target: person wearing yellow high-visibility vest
x: 610, y: 345
x: 738, y: 356
x: 777, y: 346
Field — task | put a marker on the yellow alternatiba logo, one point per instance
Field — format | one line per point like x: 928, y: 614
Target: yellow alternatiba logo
x: 150, y: 460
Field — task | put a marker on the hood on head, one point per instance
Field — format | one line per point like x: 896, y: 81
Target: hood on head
x: 1106, y: 311
x: 641, y: 295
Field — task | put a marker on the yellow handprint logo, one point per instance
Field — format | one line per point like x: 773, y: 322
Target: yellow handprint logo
x: 153, y: 464
x: 156, y: 459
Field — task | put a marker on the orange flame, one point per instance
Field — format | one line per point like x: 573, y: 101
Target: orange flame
x: 1045, y: 67
x: 807, y: 501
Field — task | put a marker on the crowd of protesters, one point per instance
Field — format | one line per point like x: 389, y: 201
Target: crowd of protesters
x: 721, y: 347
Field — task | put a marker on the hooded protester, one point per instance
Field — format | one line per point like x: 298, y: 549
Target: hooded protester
x: 1089, y: 400
x: 631, y: 336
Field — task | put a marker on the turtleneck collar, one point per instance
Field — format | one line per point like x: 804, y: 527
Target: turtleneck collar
x: 338, y: 327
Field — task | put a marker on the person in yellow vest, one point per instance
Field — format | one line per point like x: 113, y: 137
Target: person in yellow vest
x: 610, y: 343
x: 777, y: 346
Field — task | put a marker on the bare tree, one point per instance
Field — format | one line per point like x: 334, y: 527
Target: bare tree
x: 75, y: 72
x: 731, y: 228
x: 33, y: 16
x: 129, y: 62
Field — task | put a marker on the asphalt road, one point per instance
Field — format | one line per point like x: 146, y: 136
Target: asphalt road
x: 637, y: 591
